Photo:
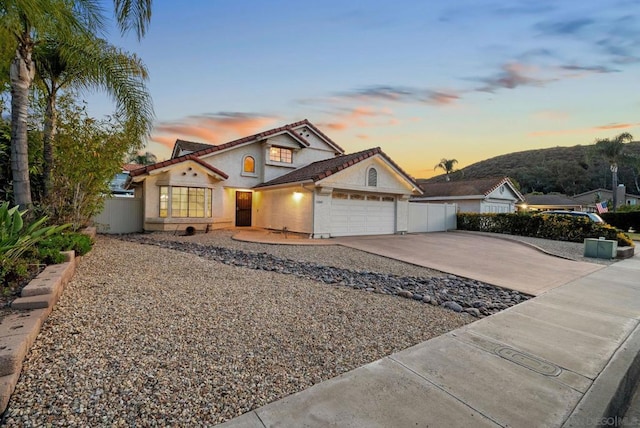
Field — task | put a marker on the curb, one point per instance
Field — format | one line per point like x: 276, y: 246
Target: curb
x: 18, y: 331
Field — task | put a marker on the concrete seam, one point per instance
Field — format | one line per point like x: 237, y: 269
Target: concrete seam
x: 444, y: 390
x: 610, y: 392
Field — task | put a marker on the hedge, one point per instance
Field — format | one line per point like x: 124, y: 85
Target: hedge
x: 555, y: 227
x: 623, y: 220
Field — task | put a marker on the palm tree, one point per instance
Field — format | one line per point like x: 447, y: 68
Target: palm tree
x: 613, y: 151
x: 88, y: 62
x: 22, y: 23
x: 447, y: 165
x: 146, y: 158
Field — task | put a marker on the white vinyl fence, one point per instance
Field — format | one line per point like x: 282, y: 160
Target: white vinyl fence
x: 120, y: 215
x: 431, y: 217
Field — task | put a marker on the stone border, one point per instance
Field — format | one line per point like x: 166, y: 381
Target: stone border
x: 19, y: 330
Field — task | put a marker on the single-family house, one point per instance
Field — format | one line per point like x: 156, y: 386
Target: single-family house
x: 549, y: 201
x: 590, y: 198
x: 487, y: 195
x: 292, y: 177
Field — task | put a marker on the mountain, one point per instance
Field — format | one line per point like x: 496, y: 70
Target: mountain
x: 568, y: 170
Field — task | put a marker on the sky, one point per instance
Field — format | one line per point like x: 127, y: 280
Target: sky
x: 422, y: 80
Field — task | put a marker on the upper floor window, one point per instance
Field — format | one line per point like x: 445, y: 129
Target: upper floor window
x: 249, y: 165
x: 372, y: 177
x: 280, y: 154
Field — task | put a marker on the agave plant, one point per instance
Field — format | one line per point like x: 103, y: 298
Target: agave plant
x: 15, y: 239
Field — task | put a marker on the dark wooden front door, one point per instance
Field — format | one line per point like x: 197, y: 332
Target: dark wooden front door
x: 243, y: 208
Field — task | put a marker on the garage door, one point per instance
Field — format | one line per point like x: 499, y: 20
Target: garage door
x: 360, y: 214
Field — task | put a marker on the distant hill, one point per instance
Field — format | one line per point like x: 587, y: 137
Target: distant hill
x: 568, y: 170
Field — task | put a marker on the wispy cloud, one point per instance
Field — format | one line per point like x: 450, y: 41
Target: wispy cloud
x: 512, y: 76
x: 402, y: 94
x: 212, y: 128
x: 565, y: 27
x: 360, y: 117
x: 608, y: 127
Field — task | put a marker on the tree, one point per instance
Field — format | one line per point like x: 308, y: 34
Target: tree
x: 447, y: 165
x: 146, y: 158
x: 88, y: 62
x: 612, y: 151
x: 93, y: 151
x: 23, y: 23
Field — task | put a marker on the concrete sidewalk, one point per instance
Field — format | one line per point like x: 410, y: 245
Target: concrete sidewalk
x: 565, y: 358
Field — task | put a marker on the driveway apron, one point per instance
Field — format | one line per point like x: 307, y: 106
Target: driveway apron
x: 495, y: 261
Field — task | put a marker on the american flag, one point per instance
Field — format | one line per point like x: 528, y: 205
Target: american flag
x: 602, y: 207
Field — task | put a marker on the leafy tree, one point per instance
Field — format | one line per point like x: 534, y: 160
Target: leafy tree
x: 92, y: 151
x: 22, y: 25
x: 447, y: 165
x: 612, y: 150
x: 88, y: 62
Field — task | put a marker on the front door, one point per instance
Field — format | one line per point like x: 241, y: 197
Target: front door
x: 243, y: 208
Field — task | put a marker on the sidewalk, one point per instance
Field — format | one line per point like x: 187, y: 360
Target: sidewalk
x: 568, y: 357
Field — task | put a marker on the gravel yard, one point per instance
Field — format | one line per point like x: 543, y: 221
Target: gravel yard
x: 149, y: 336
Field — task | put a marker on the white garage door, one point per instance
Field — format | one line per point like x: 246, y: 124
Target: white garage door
x: 359, y: 214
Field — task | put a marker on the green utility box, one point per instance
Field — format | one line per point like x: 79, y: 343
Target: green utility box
x: 600, y: 248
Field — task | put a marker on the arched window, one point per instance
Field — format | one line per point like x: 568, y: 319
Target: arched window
x: 249, y: 165
x: 372, y: 177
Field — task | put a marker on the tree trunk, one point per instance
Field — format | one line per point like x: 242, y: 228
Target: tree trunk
x: 50, y: 129
x: 22, y: 73
x: 614, y: 185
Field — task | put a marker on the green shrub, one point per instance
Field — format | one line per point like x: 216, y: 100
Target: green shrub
x: 15, y: 239
x: 623, y: 220
x: 67, y: 241
x: 556, y: 227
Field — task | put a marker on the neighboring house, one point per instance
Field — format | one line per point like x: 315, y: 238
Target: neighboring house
x: 117, y: 186
x: 292, y: 177
x: 491, y: 195
x: 590, y: 198
x: 550, y: 201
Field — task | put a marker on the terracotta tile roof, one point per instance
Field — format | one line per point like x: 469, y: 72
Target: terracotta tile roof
x: 147, y: 169
x: 466, y: 187
x: 550, y: 199
x: 131, y: 166
x: 288, y: 129
x: 316, y: 171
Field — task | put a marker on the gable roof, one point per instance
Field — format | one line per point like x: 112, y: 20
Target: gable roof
x: 480, y: 187
x: 555, y: 199
x: 188, y: 146
x: 319, y: 170
x: 189, y: 157
x: 289, y: 129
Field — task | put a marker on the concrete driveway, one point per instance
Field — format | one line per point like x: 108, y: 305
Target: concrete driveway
x: 495, y: 261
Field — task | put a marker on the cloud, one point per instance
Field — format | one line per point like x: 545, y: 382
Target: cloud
x: 402, y: 94
x: 360, y: 117
x: 513, y: 75
x: 591, y: 130
x: 564, y: 27
x: 212, y: 128
x: 589, y: 68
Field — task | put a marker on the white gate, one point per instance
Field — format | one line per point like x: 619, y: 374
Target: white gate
x: 431, y: 217
x: 120, y: 215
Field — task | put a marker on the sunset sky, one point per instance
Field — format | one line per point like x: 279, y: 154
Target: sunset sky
x: 424, y: 80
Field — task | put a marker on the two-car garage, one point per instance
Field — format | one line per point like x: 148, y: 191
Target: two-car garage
x: 362, y: 214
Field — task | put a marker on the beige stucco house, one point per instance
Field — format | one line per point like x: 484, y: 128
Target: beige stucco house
x: 292, y: 177
x: 488, y: 195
